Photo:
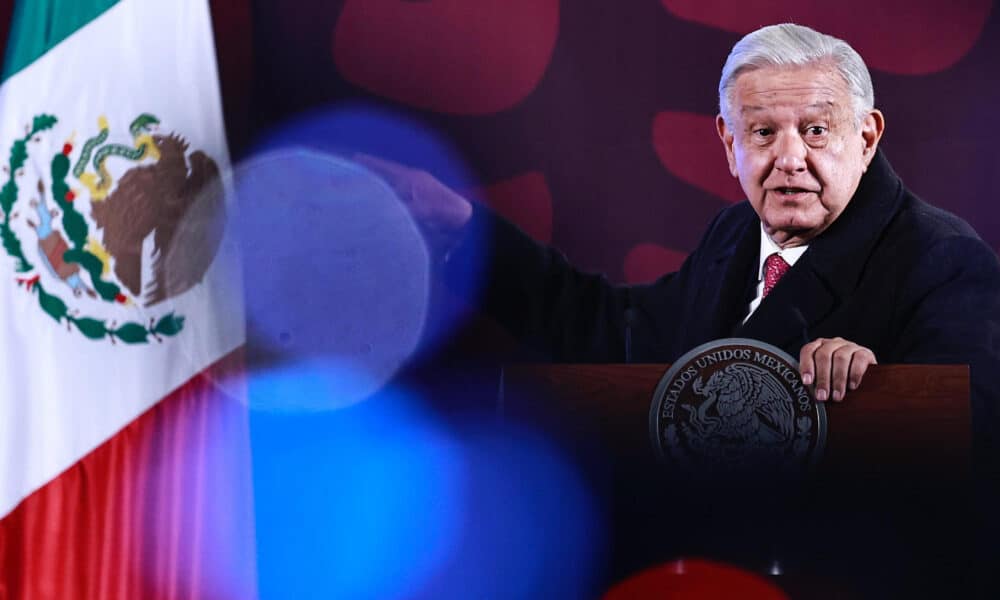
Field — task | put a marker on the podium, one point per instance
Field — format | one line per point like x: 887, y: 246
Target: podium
x: 887, y: 510
x: 902, y: 417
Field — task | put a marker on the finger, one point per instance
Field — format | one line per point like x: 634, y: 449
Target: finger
x: 840, y: 369
x: 403, y: 180
x: 823, y: 359
x: 806, y: 364
x: 379, y: 163
x: 381, y: 166
x: 862, y: 359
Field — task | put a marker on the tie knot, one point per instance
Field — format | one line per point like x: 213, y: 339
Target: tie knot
x: 775, y: 268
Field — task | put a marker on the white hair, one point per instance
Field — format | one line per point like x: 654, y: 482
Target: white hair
x: 788, y: 44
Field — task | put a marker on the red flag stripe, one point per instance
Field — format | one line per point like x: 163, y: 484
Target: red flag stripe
x: 163, y: 509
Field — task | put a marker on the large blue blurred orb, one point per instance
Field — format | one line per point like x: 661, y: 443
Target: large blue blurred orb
x: 532, y: 526
x: 380, y: 501
x: 335, y: 277
x: 363, y: 502
x: 347, y: 129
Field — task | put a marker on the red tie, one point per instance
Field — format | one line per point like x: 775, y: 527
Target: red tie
x: 775, y: 268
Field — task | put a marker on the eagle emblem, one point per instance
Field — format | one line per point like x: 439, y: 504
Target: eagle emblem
x: 736, y: 406
x: 118, y: 226
x: 753, y: 416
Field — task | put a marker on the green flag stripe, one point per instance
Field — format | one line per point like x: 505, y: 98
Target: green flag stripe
x: 39, y: 25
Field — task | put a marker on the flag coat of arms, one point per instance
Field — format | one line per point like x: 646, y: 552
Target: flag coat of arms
x: 123, y: 470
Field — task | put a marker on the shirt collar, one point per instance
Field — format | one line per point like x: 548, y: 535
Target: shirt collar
x: 768, y: 247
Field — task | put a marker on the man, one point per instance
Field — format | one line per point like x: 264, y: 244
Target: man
x: 868, y: 272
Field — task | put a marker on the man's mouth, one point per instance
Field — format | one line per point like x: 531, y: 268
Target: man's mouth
x: 789, y: 191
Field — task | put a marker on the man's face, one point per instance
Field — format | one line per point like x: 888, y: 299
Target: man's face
x: 797, y: 148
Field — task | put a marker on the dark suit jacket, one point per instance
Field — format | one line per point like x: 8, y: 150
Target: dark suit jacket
x: 913, y: 283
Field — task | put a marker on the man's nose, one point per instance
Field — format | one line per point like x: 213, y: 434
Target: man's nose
x: 790, y: 153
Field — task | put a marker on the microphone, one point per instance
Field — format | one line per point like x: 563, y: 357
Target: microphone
x: 630, y: 320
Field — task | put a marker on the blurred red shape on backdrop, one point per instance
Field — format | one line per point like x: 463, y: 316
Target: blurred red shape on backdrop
x: 695, y: 579
x: 907, y: 37
x: 525, y: 200
x: 688, y: 146
x: 647, y: 262
x: 449, y: 56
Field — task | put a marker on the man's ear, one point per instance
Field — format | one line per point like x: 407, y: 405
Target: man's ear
x: 872, y: 128
x: 726, y: 135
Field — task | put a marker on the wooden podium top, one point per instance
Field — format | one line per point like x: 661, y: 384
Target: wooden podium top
x: 902, y: 416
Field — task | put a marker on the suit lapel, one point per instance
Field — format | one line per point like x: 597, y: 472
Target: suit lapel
x: 736, y: 268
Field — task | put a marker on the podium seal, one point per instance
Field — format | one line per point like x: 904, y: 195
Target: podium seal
x: 736, y: 406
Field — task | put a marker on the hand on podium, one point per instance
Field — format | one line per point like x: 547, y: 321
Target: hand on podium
x: 836, y: 365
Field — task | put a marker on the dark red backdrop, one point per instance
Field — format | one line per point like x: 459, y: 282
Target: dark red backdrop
x: 591, y: 121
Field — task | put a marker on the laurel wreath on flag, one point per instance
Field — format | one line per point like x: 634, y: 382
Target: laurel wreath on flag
x: 77, y: 230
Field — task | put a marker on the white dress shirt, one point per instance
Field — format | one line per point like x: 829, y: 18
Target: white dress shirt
x: 767, y: 248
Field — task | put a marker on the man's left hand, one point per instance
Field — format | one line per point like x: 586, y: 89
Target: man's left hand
x: 836, y: 365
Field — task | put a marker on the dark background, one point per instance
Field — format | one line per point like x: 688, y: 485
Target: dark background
x: 590, y: 124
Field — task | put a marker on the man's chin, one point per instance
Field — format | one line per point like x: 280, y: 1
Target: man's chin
x: 791, y: 234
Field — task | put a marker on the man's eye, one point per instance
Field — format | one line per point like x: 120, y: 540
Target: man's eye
x: 762, y: 132
x: 816, y: 130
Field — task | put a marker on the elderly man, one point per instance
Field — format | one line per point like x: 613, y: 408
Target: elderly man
x: 868, y: 272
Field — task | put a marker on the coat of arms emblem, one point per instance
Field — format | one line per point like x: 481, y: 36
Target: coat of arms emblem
x: 104, y: 232
x: 737, y: 407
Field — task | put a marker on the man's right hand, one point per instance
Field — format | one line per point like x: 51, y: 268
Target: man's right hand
x: 439, y: 211
x: 836, y: 365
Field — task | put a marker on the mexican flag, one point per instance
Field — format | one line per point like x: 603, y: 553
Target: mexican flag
x: 124, y: 468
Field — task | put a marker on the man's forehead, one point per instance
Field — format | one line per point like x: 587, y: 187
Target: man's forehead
x: 808, y: 90
x: 819, y: 106
x: 809, y: 84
